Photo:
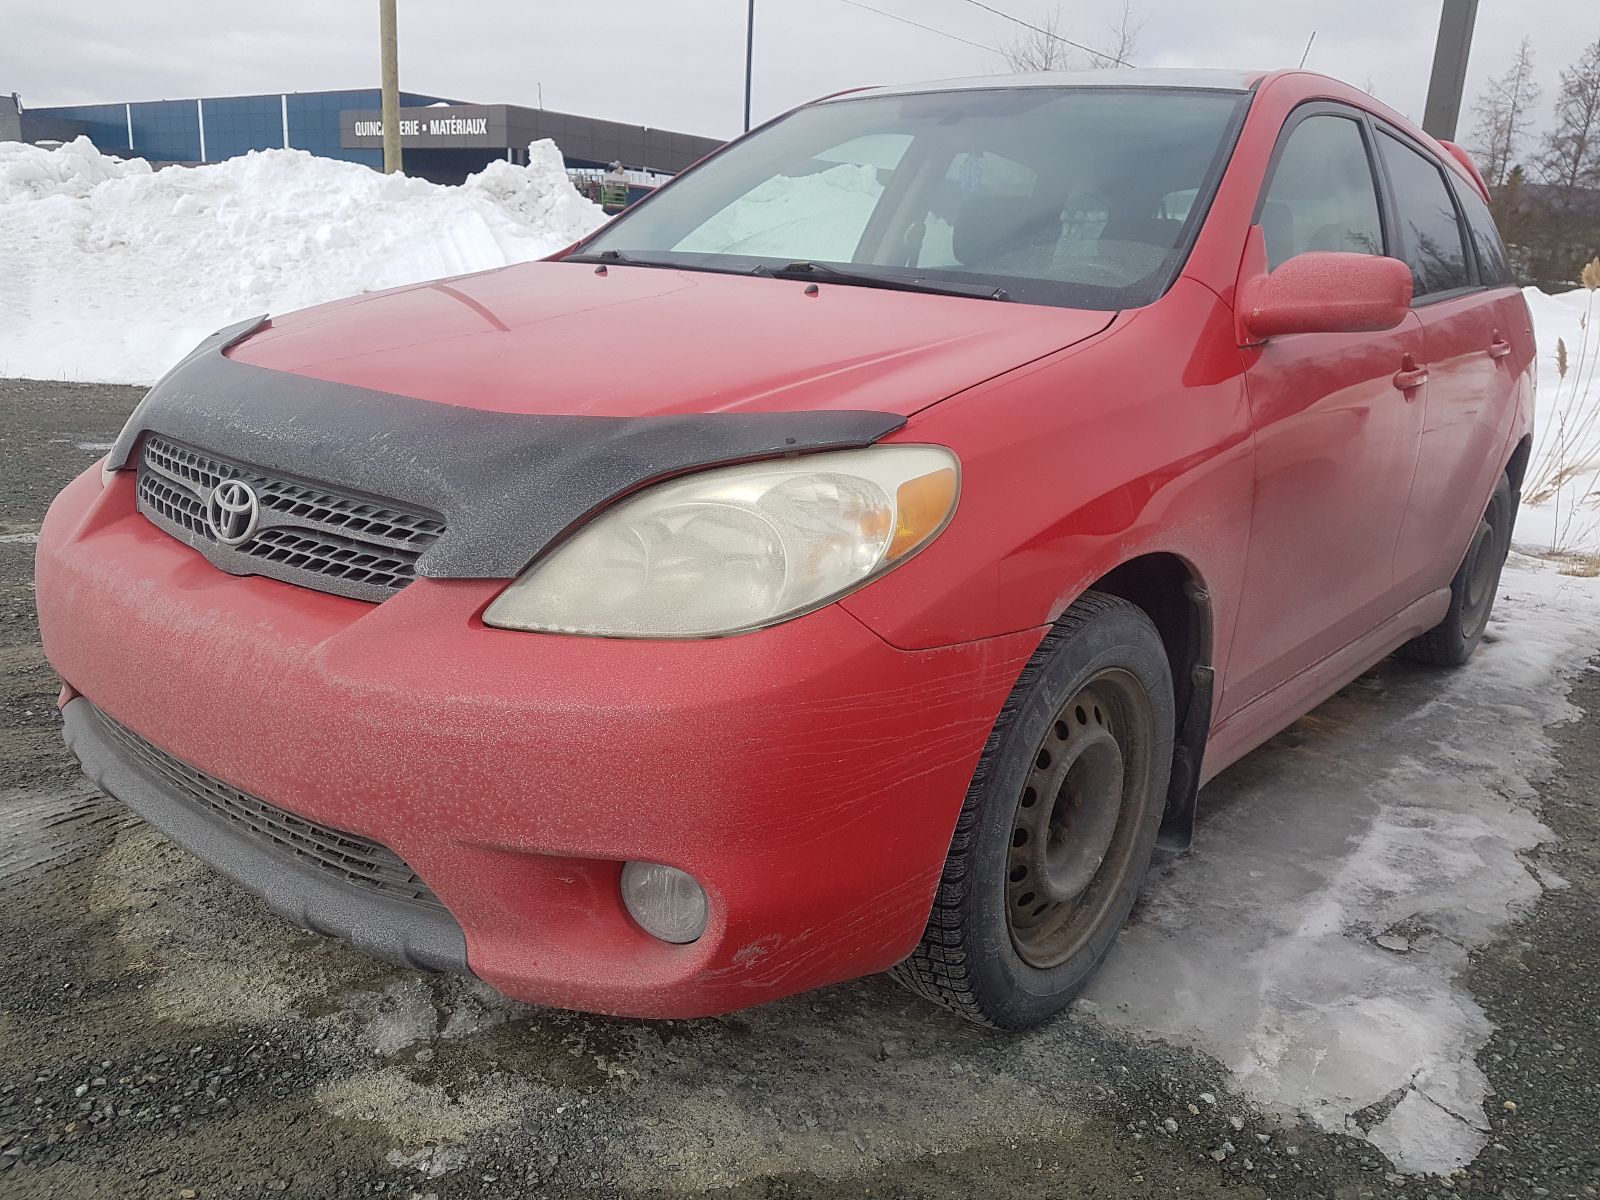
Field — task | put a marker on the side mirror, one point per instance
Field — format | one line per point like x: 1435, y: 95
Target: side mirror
x: 1326, y: 292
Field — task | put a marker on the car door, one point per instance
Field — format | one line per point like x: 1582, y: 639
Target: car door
x: 1338, y: 420
x: 1469, y: 314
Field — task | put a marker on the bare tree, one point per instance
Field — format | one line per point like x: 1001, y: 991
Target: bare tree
x: 1040, y: 49
x: 1505, y: 113
x: 1125, y: 32
x: 1043, y: 48
x: 1570, y: 158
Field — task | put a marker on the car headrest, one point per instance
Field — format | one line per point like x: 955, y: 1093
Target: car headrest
x: 989, y: 225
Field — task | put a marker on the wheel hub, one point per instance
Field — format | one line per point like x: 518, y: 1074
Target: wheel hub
x: 1064, y: 837
x: 1481, y: 571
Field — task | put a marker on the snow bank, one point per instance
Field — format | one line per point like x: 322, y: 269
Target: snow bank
x: 1561, y: 508
x: 110, y: 271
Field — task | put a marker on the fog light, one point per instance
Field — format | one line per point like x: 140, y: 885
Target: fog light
x: 666, y: 902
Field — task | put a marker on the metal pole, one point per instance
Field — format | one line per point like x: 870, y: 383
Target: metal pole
x: 1449, y: 68
x: 388, y: 31
x: 749, y: 60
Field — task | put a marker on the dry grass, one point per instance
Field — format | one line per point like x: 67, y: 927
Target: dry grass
x: 1585, y: 565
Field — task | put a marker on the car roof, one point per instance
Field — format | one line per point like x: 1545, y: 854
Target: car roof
x: 1148, y: 77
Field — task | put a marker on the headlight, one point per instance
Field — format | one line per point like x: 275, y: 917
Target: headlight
x: 737, y: 548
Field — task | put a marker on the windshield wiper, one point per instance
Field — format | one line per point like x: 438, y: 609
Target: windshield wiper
x: 899, y: 283
x: 613, y: 256
x: 619, y: 259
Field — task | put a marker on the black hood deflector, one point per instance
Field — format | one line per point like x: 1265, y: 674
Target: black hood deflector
x: 508, y: 485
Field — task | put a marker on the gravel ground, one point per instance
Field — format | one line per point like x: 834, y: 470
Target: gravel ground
x: 163, y: 1035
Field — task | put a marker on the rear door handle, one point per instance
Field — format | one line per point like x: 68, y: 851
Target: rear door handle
x: 1410, y: 376
x: 1499, y: 348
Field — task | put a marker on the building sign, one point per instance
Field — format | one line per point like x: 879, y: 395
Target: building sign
x: 442, y: 125
x: 411, y: 127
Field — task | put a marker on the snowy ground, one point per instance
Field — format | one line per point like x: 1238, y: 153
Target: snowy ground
x: 1315, y: 944
x: 110, y: 272
x: 1562, y: 492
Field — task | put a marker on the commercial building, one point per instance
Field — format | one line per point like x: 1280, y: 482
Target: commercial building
x: 443, y: 139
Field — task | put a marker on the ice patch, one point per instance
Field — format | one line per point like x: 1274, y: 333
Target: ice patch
x: 432, y: 1161
x: 1263, y: 948
x: 426, y: 1116
x: 411, y: 1010
x: 41, y: 830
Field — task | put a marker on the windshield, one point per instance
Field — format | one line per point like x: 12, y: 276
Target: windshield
x: 1083, y: 197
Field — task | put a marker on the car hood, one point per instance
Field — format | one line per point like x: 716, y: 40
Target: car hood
x: 563, y: 338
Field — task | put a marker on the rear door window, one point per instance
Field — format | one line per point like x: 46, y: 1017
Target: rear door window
x: 1432, y: 240
x: 1493, y: 265
x: 1322, y: 195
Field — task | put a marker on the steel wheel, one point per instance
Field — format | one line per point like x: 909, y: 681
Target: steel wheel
x: 1451, y: 642
x: 1075, y: 827
x: 1482, y: 575
x: 1064, y: 804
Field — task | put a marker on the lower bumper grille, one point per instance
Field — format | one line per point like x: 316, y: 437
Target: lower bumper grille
x: 348, y: 857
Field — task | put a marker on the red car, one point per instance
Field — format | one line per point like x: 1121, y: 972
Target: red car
x: 854, y: 557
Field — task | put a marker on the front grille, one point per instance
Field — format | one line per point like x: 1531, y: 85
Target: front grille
x: 346, y: 856
x: 309, y: 534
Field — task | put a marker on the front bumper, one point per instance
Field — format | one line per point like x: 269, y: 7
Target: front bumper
x: 809, y: 775
x: 307, y: 888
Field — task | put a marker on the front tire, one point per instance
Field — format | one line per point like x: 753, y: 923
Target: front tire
x: 1059, y: 823
x: 1451, y: 642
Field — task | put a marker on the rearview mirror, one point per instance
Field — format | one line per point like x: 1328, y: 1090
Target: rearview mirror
x: 1326, y: 292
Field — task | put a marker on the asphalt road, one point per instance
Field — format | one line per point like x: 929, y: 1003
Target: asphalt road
x: 163, y: 1035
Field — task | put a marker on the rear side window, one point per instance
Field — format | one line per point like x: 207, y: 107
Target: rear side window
x: 1493, y: 265
x: 1431, y: 237
x: 1322, y: 195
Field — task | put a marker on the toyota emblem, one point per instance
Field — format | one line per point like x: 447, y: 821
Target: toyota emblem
x: 232, y: 512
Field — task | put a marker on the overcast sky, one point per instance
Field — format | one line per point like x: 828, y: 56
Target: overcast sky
x: 678, y: 64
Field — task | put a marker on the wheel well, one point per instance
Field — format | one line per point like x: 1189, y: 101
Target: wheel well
x: 1174, y: 598
x: 1517, y: 468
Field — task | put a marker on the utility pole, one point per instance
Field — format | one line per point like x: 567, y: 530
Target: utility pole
x: 388, y: 31
x: 749, y: 60
x: 1449, y: 68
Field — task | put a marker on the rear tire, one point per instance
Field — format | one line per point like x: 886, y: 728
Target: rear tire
x: 1451, y: 642
x: 1058, y: 827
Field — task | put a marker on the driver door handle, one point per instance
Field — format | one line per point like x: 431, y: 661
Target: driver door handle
x: 1410, y: 376
x: 1499, y: 348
